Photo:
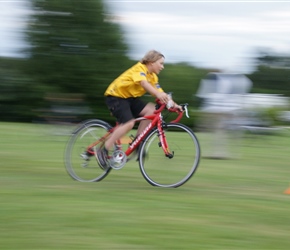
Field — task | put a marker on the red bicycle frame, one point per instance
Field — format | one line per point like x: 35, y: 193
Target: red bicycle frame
x: 156, y: 120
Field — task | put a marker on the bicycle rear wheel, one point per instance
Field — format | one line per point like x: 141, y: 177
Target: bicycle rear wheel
x: 81, y: 165
x: 159, y: 170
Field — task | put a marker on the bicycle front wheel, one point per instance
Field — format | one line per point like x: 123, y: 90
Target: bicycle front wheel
x: 80, y: 164
x: 160, y: 170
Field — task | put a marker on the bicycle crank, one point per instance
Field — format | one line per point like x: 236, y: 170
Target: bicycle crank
x: 118, y: 159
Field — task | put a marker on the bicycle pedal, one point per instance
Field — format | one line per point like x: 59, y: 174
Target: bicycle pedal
x: 85, y: 156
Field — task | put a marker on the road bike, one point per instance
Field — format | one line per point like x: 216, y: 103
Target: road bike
x: 168, y: 152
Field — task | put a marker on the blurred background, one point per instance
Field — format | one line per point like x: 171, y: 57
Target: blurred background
x: 230, y: 60
x: 58, y: 57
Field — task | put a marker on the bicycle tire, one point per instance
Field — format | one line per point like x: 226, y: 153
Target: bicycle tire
x: 161, y: 171
x: 80, y: 169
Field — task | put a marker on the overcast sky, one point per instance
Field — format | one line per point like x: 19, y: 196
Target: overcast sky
x: 216, y: 34
x: 13, y: 16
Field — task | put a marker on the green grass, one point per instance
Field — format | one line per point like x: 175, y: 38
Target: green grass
x: 228, y: 204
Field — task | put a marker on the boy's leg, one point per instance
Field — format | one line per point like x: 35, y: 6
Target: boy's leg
x: 103, y: 153
x: 120, y: 108
x: 148, y: 110
x: 120, y: 131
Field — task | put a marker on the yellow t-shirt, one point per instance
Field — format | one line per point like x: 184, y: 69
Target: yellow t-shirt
x: 128, y: 84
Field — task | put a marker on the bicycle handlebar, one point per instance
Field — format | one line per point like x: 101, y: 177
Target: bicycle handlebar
x: 162, y: 106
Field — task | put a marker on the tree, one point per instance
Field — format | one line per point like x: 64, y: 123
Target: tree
x: 74, y: 48
x: 272, y: 75
x: 18, y: 92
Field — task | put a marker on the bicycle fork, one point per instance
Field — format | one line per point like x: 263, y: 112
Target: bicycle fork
x: 163, y: 142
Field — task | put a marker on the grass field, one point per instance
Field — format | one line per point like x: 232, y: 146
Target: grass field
x: 228, y: 204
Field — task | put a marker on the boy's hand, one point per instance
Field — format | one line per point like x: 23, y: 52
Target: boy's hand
x: 178, y: 107
x: 163, y: 97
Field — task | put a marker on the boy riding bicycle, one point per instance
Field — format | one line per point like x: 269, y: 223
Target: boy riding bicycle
x: 123, y: 99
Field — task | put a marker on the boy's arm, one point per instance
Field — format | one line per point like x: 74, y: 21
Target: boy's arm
x: 162, y: 96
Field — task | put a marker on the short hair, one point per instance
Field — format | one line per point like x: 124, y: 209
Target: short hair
x: 151, y: 56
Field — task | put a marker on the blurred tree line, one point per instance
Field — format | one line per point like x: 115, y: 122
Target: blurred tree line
x: 76, y: 50
x: 272, y: 75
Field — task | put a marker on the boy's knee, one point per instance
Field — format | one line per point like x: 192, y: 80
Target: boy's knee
x: 149, y: 109
x: 131, y: 124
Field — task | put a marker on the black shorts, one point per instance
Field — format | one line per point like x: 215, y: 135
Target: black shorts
x: 125, y: 109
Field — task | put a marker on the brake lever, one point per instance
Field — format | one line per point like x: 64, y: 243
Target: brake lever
x: 184, y: 107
